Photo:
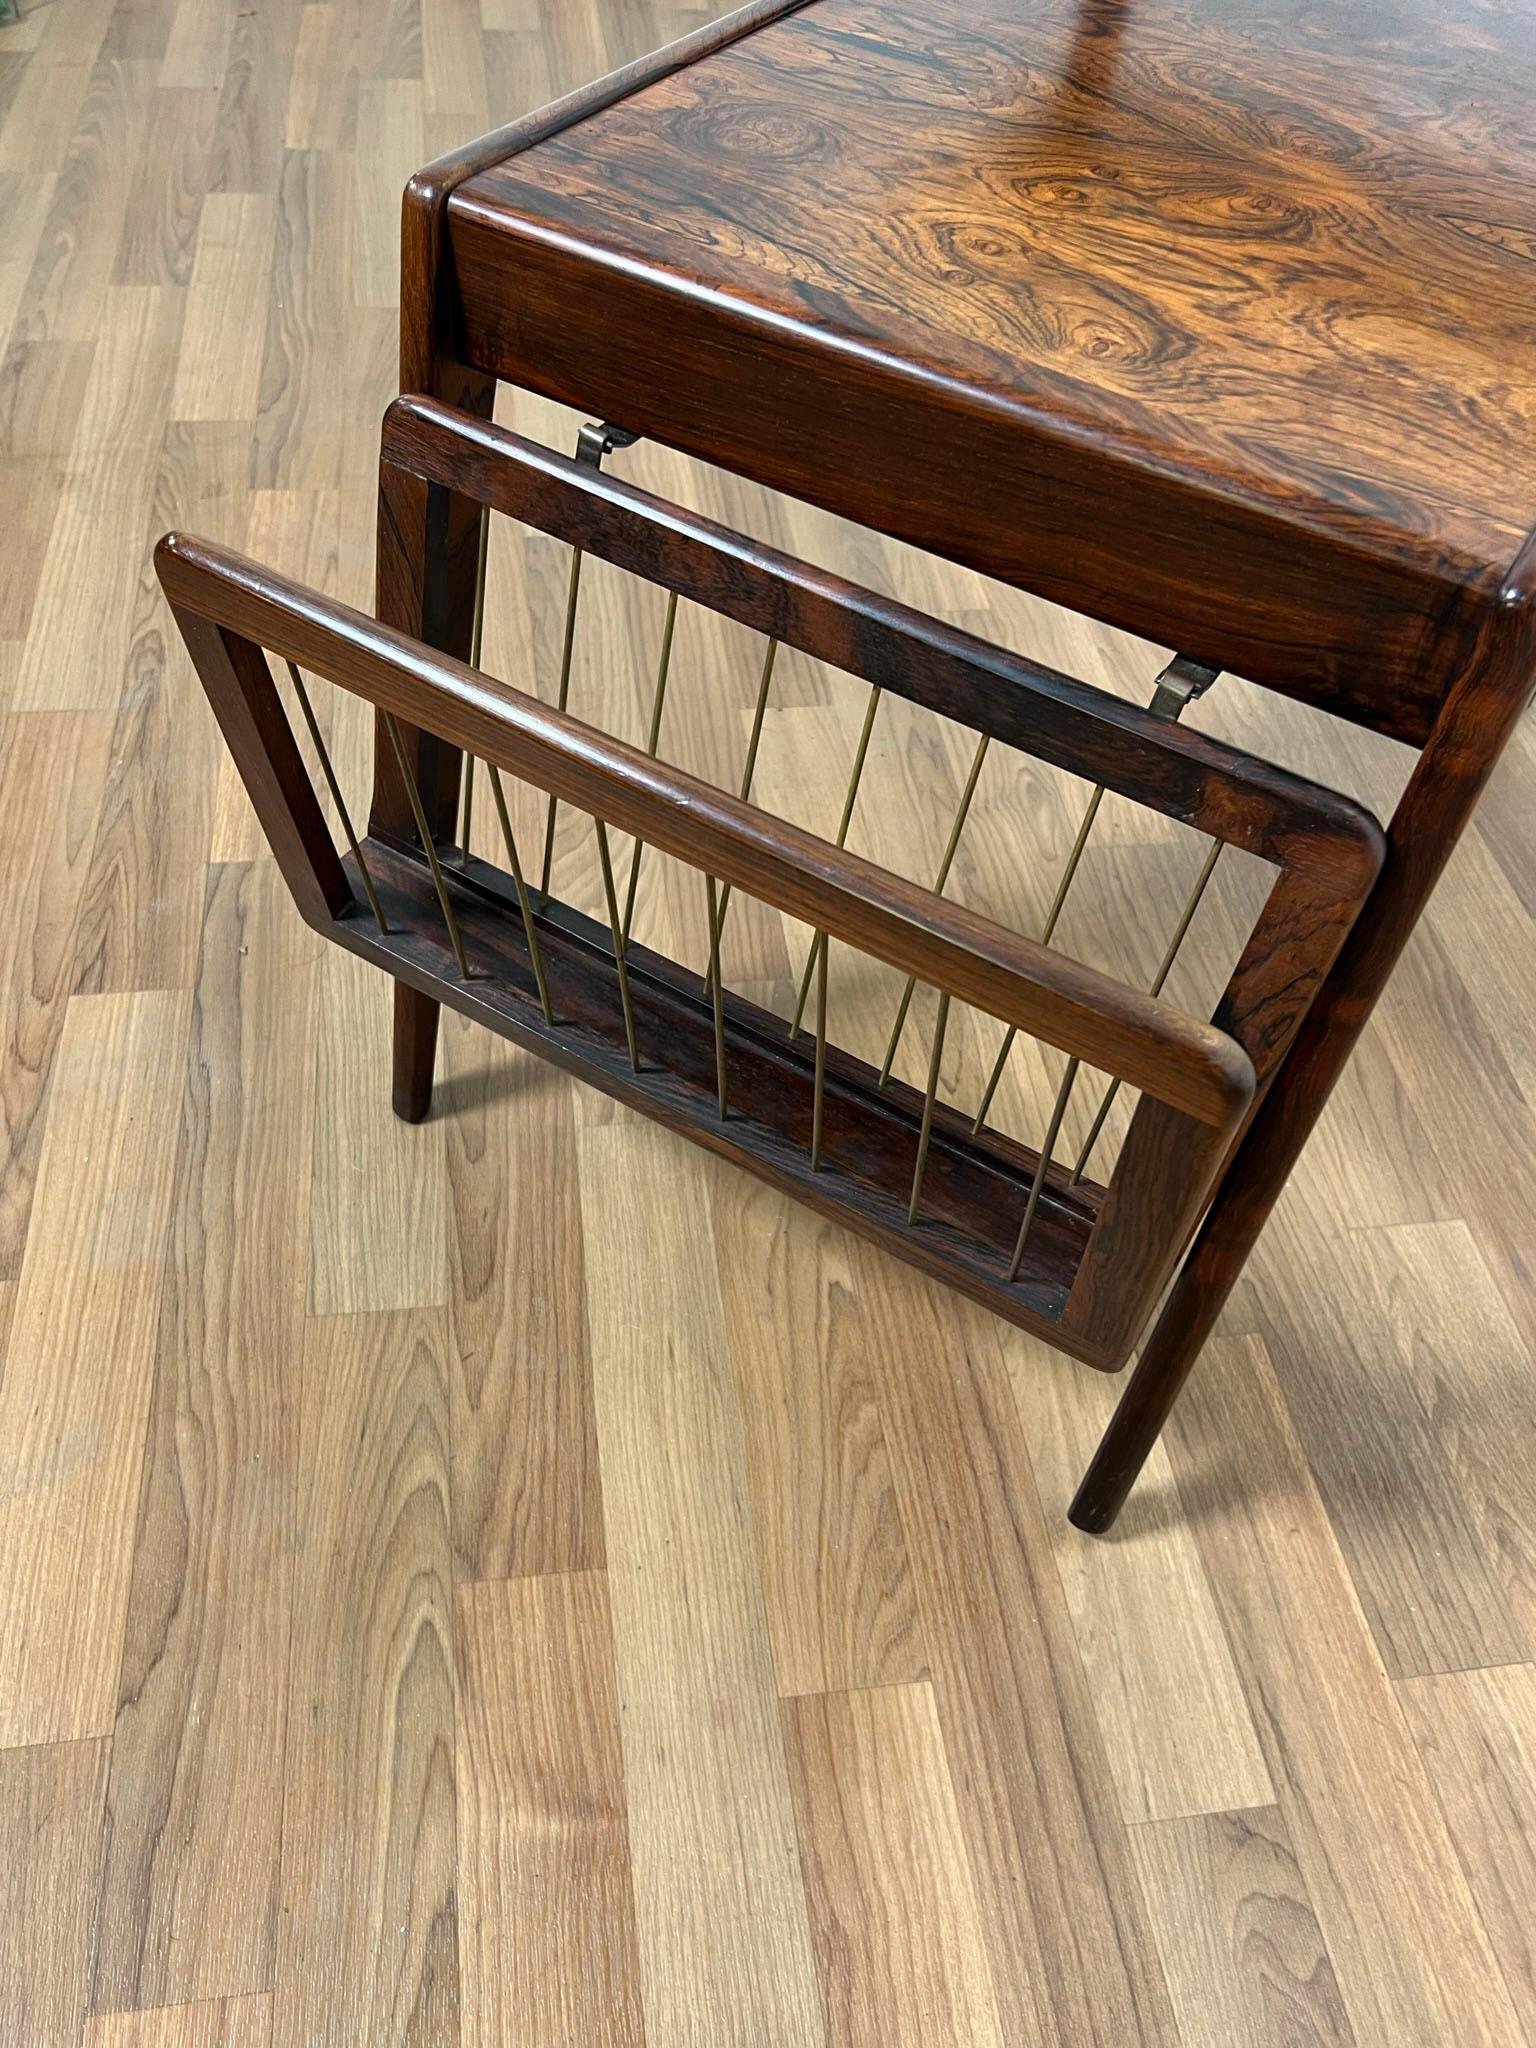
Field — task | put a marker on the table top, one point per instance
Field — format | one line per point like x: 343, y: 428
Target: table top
x: 1251, y: 283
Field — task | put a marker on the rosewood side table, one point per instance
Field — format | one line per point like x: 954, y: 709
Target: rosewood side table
x: 1211, y: 319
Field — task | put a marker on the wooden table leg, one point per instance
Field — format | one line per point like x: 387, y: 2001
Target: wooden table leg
x: 428, y: 549
x: 1476, y: 720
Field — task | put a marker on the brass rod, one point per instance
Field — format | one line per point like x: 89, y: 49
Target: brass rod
x: 717, y: 992
x: 476, y: 632
x: 962, y: 812
x: 428, y: 847
x: 849, y: 797
x: 335, y: 788
x: 819, y: 954
x: 653, y: 741
x: 535, y: 951
x: 572, y: 598
x: 1192, y: 904
x: 1058, y: 904
x: 930, y: 1097
x: 749, y: 767
x: 1058, y: 1111
x: 618, y: 942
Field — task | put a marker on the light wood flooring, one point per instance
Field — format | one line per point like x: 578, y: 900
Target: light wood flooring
x: 514, y: 1581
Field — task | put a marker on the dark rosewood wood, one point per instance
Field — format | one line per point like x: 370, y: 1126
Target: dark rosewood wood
x: 1496, y: 670
x: 1097, y: 1266
x: 261, y: 743
x: 1192, y: 1066
x: 1328, y: 849
x: 425, y: 576
x: 1209, y: 318
x: 433, y: 356
x: 974, y: 1192
x: 1212, y: 320
x: 427, y: 544
x: 1185, y: 774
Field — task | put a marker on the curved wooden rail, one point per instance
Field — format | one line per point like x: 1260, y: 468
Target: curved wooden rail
x: 1174, y: 1058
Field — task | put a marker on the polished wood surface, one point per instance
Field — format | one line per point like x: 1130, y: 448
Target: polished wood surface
x: 1224, y: 1777
x: 1174, y: 1057
x: 1113, y: 1247
x: 1192, y: 304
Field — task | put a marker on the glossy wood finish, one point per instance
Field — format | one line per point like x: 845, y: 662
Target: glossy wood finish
x: 1190, y: 1065
x: 1205, y: 321
x: 1095, y: 1271
x: 1493, y: 684
x: 1209, y: 320
x: 888, y: 1466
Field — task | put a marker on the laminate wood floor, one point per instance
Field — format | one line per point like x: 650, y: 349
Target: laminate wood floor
x: 514, y: 1580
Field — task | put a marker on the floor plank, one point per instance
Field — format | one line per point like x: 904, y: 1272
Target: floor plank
x: 725, y: 1945
x: 1177, y: 1727
x: 367, y: 1943
x: 1407, y: 1379
x: 75, y: 1396
x: 50, y: 1817
x: 82, y: 623
x: 842, y: 1611
x: 547, y: 1906
x: 893, y: 1910
x: 218, y: 372
x: 143, y: 911
x: 527, y: 1496
x: 1071, y: 1949
x: 1239, y: 1939
x: 377, y: 1205
x: 1412, y: 1957
x: 188, y: 1902
x: 46, y: 860
x: 1476, y: 1730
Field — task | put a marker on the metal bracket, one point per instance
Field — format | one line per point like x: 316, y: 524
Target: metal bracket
x: 595, y: 441
x: 1181, y: 682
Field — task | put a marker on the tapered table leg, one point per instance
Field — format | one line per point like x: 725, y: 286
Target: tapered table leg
x: 415, y: 1052
x: 428, y: 550
x: 1476, y: 720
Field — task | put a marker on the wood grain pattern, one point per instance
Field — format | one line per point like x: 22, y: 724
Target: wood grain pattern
x: 368, y: 1933
x: 1441, y: 1378
x: 1018, y: 1723
x: 838, y: 1586
x: 88, y: 588
x: 120, y: 116
x: 527, y: 1496
x: 214, y: 2023
x: 1177, y: 1725
x: 1413, y: 1959
x: 724, y: 1934
x: 893, y: 1912
x: 68, y: 289
x: 68, y: 757
x: 377, y: 1201
x: 1239, y: 1940
x: 299, y: 437
x: 143, y: 912
x: 1476, y: 1731
x: 1204, y: 258
x: 548, y: 1920
x: 50, y: 1810
x: 188, y: 1902
x: 165, y: 204
x: 75, y: 1430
